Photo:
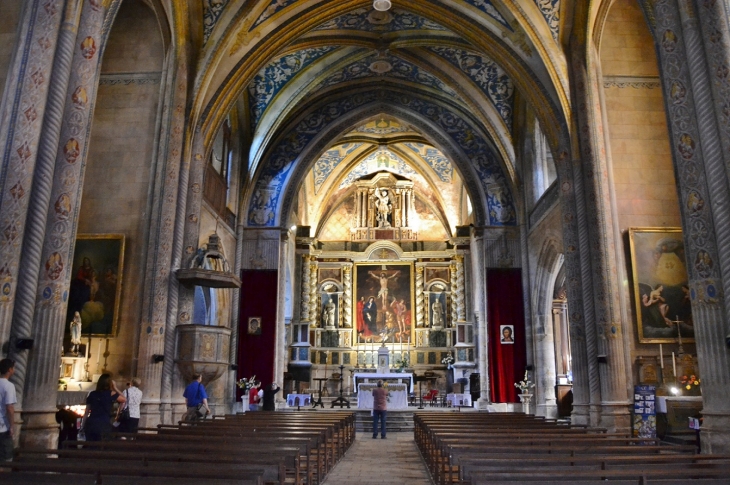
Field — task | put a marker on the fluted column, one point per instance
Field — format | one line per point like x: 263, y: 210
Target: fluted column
x: 346, y: 302
x: 24, y: 105
x: 698, y: 131
x: 37, y: 377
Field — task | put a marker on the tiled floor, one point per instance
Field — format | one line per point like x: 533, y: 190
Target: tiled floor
x: 394, y: 460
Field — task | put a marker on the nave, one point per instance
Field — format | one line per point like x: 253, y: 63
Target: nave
x: 327, y: 448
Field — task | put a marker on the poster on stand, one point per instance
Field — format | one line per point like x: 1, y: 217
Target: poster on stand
x: 644, y: 412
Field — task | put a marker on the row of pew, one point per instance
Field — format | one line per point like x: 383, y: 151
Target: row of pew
x: 513, y: 449
x: 262, y: 448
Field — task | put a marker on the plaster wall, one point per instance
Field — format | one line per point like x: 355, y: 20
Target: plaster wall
x: 8, y: 35
x: 120, y: 162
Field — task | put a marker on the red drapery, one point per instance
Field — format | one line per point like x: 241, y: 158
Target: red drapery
x: 258, y: 299
x: 505, y: 307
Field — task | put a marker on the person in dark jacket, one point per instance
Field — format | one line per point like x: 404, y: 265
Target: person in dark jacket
x: 97, y: 424
x: 269, y: 395
x: 380, y: 406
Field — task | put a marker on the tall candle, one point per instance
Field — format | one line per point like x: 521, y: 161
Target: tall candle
x: 674, y: 365
x: 679, y: 332
x: 661, y: 356
x: 98, y: 355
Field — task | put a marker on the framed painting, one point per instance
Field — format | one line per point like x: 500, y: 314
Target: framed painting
x: 383, y: 302
x: 254, y: 325
x: 507, y: 334
x: 96, y: 284
x: 661, y: 285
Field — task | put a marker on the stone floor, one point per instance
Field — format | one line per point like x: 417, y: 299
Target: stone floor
x: 394, y: 460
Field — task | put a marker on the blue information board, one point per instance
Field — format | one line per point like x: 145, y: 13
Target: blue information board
x: 645, y: 411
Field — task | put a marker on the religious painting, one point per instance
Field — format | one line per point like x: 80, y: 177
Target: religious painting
x: 330, y: 274
x: 254, y: 325
x: 437, y: 274
x: 96, y: 285
x: 507, y: 334
x: 383, y: 302
x: 661, y: 285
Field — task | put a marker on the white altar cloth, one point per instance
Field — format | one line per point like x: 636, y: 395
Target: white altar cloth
x: 373, y: 378
x: 455, y: 399
x: 397, y: 395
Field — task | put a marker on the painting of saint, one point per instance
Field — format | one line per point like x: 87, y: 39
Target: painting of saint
x: 661, y: 287
x: 95, y: 288
x: 383, y: 302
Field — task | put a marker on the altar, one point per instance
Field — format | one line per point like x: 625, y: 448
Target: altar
x: 371, y: 377
x: 397, y: 396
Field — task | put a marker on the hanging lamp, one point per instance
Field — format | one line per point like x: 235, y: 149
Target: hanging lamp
x: 381, y: 5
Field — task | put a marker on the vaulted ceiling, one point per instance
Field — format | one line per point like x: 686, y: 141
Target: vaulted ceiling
x: 447, y: 71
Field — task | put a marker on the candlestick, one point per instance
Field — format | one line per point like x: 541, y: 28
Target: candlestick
x: 674, y: 365
x: 661, y: 356
x: 679, y: 332
x: 98, y: 356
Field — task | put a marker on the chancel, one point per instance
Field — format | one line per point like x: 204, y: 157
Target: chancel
x: 506, y: 207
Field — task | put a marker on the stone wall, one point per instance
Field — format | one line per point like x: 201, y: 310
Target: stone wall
x: 643, y: 176
x: 8, y: 33
x: 116, y: 196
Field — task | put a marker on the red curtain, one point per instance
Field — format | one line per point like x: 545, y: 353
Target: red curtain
x: 505, y: 307
x: 258, y: 299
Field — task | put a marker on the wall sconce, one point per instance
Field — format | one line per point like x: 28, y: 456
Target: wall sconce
x: 157, y: 358
x: 602, y: 359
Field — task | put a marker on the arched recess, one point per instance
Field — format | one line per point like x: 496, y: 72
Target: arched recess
x: 128, y: 102
x: 549, y: 262
x: 448, y: 128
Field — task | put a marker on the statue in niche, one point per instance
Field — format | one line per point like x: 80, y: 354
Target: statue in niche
x: 75, y: 330
x: 329, y: 312
x: 383, y: 206
x: 437, y: 315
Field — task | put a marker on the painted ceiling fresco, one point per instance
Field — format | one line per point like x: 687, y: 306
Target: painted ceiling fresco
x: 368, y: 20
x: 383, y: 126
x: 329, y: 161
x: 382, y: 159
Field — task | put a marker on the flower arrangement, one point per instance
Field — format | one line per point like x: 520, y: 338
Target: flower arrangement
x: 448, y: 360
x: 247, y: 384
x: 524, y: 385
x: 688, y: 382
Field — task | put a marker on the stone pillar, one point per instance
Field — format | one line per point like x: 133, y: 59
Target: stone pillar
x: 346, y: 301
x: 306, y: 275
x: 479, y: 272
x: 36, y: 378
x: 165, y: 249
x: 698, y: 132
x: 613, y: 378
x: 24, y: 105
x: 314, y: 309
x: 420, y: 322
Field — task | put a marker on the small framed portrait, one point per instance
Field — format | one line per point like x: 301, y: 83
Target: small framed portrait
x: 68, y: 369
x: 254, y: 325
x: 507, y: 334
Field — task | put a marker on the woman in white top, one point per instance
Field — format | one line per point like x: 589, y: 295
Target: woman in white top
x: 134, y: 399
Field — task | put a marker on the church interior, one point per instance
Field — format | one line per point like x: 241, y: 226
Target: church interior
x: 514, y: 206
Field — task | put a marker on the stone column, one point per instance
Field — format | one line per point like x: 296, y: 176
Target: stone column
x: 24, y: 105
x: 36, y: 378
x: 165, y: 248
x: 479, y: 270
x: 314, y: 309
x: 460, y: 289
x: 306, y: 275
x: 420, y: 322
x: 346, y: 301
x: 697, y: 128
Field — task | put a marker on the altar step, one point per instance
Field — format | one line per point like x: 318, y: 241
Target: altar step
x: 396, y: 422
